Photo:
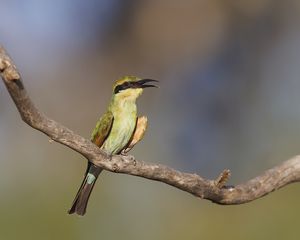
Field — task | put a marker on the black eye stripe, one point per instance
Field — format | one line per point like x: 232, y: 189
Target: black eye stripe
x: 123, y: 86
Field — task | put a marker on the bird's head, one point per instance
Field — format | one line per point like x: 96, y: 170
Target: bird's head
x: 131, y: 87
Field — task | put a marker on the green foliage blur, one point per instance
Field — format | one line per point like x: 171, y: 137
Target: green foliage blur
x: 228, y: 98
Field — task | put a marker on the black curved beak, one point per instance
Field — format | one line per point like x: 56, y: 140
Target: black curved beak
x: 142, y: 83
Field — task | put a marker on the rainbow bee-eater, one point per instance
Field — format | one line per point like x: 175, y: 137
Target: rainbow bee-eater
x: 116, y: 132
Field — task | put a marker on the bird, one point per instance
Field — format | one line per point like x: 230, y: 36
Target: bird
x: 116, y: 132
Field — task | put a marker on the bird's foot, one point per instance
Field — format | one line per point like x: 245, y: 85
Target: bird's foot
x: 125, y: 151
x: 128, y: 158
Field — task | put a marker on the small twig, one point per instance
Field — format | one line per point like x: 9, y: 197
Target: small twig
x: 216, y: 191
x: 223, y: 178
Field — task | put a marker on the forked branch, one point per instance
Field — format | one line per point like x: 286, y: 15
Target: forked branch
x: 214, y: 190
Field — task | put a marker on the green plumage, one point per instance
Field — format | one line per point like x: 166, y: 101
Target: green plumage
x: 124, y: 120
x: 113, y: 131
x: 102, y: 128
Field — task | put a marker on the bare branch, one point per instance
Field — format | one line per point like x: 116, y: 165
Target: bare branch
x: 214, y: 190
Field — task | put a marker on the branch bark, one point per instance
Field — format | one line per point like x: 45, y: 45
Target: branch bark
x: 213, y: 190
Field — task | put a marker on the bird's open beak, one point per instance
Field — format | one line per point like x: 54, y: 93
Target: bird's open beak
x: 142, y: 83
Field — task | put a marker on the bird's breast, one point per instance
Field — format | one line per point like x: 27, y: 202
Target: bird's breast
x: 122, y: 130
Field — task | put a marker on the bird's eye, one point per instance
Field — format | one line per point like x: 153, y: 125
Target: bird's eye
x: 121, y: 87
x: 126, y: 85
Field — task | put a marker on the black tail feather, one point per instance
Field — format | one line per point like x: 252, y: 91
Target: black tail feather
x: 81, y: 200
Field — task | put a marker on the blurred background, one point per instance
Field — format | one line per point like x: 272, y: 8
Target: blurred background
x: 228, y: 98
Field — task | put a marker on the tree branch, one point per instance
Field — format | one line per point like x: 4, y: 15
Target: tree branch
x: 214, y: 190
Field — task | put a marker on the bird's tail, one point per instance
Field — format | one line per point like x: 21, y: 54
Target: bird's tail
x: 81, y: 200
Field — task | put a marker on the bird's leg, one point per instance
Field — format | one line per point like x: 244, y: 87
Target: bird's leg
x: 128, y: 158
x: 124, y: 153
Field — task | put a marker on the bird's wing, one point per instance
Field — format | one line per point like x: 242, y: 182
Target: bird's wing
x: 138, y: 134
x: 102, y: 129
